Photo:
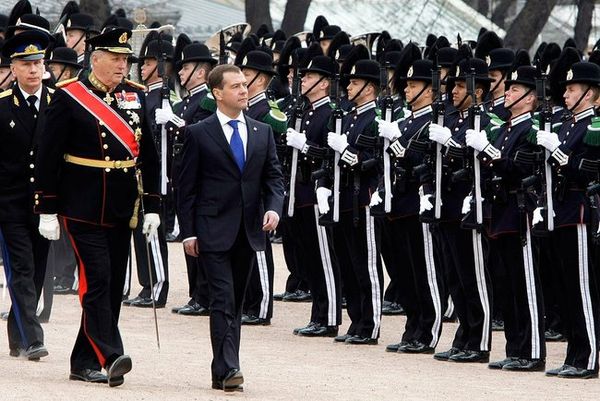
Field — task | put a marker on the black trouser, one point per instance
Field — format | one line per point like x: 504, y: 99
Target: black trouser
x: 259, y: 294
x: 522, y: 301
x: 102, y: 254
x: 468, y: 282
x: 550, y: 279
x: 421, y: 280
x: 579, y: 295
x: 159, y: 261
x: 293, y: 258
x: 323, y: 272
x: 228, y: 275
x: 25, y: 253
x: 387, y: 244
x: 361, y: 271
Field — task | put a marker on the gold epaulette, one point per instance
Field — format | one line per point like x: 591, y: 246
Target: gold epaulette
x: 6, y: 93
x: 135, y: 84
x: 66, y: 82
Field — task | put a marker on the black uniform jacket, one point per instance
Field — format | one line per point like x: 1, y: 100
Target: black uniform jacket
x: 103, y: 196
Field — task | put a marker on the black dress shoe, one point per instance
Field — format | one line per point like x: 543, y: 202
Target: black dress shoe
x: 393, y: 309
x: 147, y: 303
x: 417, y: 347
x: 297, y: 329
x: 36, y: 351
x: 342, y: 338
x: 360, y: 340
x: 395, y: 347
x: 468, y: 356
x: 556, y: 371
x: 255, y: 321
x: 500, y: 364
x: 318, y: 330
x: 526, y: 365
x: 88, y: 375
x: 497, y: 325
x: 232, y: 381
x: 279, y: 297
x: 16, y: 352
x: 130, y: 301
x: 117, y: 369
x: 194, y: 309
x: 298, y: 296
x: 61, y: 289
x: 172, y: 238
x: 553, y: 335
x: 443, y: 356
x: 571, y: 372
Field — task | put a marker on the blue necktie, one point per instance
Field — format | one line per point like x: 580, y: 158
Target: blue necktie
x: 237, y: 146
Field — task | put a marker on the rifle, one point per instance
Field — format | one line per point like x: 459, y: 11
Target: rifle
x: 296, y: 121
x: 165, y: 95
x: 437, y: 117
x: 546, y: 124
x: 222, y: 54
x: 387, y: 110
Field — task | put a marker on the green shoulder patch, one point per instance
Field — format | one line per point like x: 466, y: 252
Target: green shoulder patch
x: 532, y: 134
x: 208, y: 103
x: 174, y: 97
x: 495, y: 120
x: 592, y: 137
x: 492, y: 130
x: 6, y: 93
x: 556, y: 127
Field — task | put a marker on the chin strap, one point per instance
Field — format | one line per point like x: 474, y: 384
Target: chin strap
x: 580, y: 99
x: 184, y: 84
x: 315, y: 84
x: 359, y: 92
x: 519, y: 99
x: 418, y: 96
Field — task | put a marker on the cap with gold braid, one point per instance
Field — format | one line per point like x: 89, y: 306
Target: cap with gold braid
x: 28, y: 45
x: 114, y: 41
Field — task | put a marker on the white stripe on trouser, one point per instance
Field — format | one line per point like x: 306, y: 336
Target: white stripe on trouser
x: 159, y: 268
x: 584, y: 288
x: 75, y: 285
x: 482, y: 290
x: 432, y: 282
x: 373, y: 275
x: 261, y: 261
x: 40, y: 305
x: 176, y: 230
x: 327, y: 271
x: 127, y: 273
x: 531, y: 296
x: 449, y: 307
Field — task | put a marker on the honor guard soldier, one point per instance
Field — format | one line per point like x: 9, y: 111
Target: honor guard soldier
x: 24, y: 250
x: 97, y: 165
x: 354, y: 235
x: 311, y: 240
x: 257, y: 67
x: 466, y: 276
x: 573, y: 147
x: 195, y: 65
x: 509, y: 206
x: 500, y: 62
x: 420, y: 283
x: 6, y: 77
x: 159, y: 258
x: 79, y: 28
x: 62, y: 63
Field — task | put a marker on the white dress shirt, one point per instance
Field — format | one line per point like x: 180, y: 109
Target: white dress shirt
x: 37, y: 94
x: 228, y: 129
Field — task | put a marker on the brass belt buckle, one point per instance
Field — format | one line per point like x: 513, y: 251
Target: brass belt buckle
x: 117, y: 163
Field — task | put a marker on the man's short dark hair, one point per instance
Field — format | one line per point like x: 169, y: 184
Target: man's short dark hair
x: 215, y: 78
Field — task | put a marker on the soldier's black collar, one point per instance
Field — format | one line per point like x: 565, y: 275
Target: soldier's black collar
x: 257, y: 98
x: 584, y: 114
x: 556, y: 109
x: 498, y: 101
x: 463, y: 113
x: 421, y: 112
x: 97, y: 84
x: 396, y: 97
x: 321, y: 102
x: 519, y: 119
x: 154, y: 86
x: 365, y: 107
x: 199, y: 88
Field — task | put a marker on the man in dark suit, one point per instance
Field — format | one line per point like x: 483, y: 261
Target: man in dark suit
x: 229, y: 175
x: 24, y: 250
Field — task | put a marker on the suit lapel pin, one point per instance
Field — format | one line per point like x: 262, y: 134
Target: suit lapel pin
x: 255, y: 129
x: 12, y: 124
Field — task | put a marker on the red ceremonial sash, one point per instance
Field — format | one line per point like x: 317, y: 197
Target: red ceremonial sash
x: 103, y: 112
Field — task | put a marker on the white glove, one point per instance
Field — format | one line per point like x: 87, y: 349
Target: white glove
x: 337, y: 142
x: 537, y: 216
x: 477, y: 139
x: 165, y: 115
x: 295, y: 139
x: 548, y: 140
x: 424, y: 201
x: 375, y: 199
x: 323, y: 195
x: 466, y: 206
x: 388, y: 129
x: 49, y: 227
x: 439, y: 133
x: 151, y: 223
